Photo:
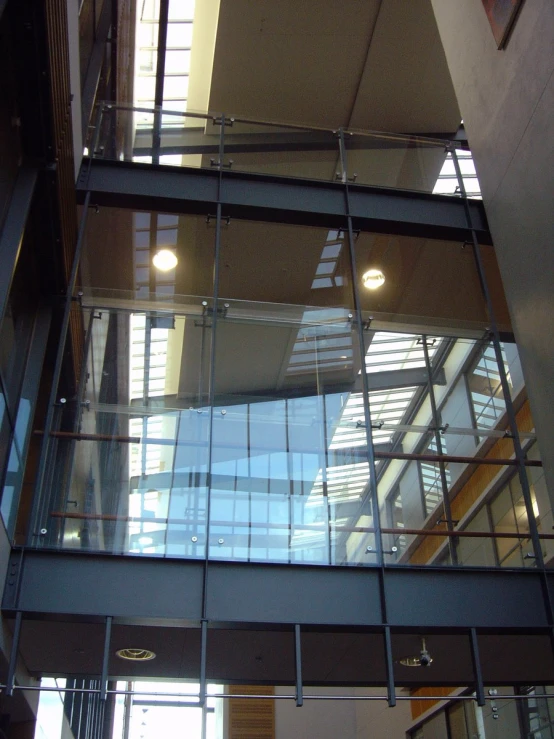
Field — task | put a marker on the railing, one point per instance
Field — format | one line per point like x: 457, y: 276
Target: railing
x: 223, y: 142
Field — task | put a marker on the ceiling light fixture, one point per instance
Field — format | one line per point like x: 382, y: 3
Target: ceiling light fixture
x: 136, y: 655
x: 373, y: 279
x: 423, y: 659
x: 164, y: 260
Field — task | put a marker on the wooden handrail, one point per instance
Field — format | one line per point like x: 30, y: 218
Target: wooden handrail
x: 403, y: 456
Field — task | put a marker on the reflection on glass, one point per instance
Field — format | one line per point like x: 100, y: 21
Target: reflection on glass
x: 386, y: 160
x: 290, y: 479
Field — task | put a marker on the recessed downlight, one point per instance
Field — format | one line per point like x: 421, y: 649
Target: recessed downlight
x: 373, y: 279
x: 164, y: 260
x: 136, y: 655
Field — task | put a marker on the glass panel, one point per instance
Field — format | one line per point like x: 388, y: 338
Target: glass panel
x: 282, y: 150
x: 179, y: 35
x: 131, y: 452
x: 387, y: 160
x: 117, y: 261
x: 427, y: 282
x: 269, y: 269
x: 289, y: 483
x: 175, y: 87
x: 411, y: 480
x: 126, y: 134
x: 14, y: 473
x: 181, y: 10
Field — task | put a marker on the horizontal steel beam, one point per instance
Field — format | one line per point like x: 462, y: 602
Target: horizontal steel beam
x: 188, y: 140
x: 93, y: 585
x: 279, y: 199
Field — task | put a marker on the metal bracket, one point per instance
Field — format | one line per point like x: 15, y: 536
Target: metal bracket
x: 225, y: 219
x: 426, y: 342
x: 220, y: 164
x: 219, y: 120
x: 208, y: 311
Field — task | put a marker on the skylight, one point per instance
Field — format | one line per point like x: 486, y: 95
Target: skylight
x: 447, y: 183
x: 387, y: 351
x: 176, y: 69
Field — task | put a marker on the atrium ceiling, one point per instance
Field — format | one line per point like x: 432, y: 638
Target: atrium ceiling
x: 375, y: 65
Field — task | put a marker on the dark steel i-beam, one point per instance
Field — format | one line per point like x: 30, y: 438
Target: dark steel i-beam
x: 279, y: 199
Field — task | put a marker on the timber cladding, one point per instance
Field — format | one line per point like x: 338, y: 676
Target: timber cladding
x: 251, y: 718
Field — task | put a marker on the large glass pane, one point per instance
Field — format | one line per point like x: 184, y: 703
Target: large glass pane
x: 387, y: 160
x: 282, y: 150
x: 187, y: 140
x: 117, y: 261
x: 425, y: 282
x: 279, y: 263
x: 289, y: 482
x: 441, y: 456
x: 130, y: 452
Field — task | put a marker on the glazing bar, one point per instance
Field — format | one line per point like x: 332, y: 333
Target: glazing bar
x: 479, y: 689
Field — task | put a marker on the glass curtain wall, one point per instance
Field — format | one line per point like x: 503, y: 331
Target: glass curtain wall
x: 230, y: 422
x: 295, y: 394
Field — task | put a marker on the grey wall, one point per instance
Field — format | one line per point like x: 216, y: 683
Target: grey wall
x: 507, y: 99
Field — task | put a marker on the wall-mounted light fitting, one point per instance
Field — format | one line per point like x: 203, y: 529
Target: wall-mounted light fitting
x: 164, y: 260
x: 373, y: 278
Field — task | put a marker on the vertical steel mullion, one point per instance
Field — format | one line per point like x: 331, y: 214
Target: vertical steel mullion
x: 389, y: 663
x: 203, y: 661
x: 299, y: 695
x: 211, y: 388
x: 479, y: 689
x: 438, y: 441
x: 163, y: 20
x: 10, y: 679
x: 127, y: 708
x: 291, y: 483
x: 250, y: 493
x: 57, y: 372
x: 98, y: 119
x: 106, y: 659
x: 325, y: 480
x: 322, y: 443
x: 510, y: 412
x: 365, y: 384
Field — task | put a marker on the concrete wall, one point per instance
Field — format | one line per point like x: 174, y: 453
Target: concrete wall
x: 507, y: 99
